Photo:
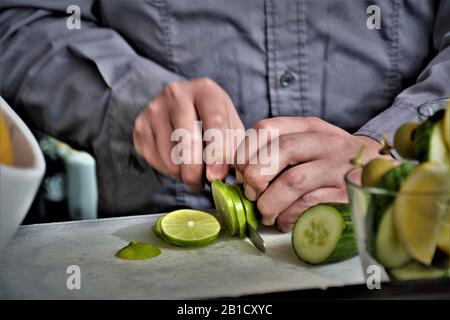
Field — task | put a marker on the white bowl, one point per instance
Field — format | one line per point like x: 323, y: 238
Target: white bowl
x: 20, y: 182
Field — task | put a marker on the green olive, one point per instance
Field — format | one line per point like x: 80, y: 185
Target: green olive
x: 404, y: 140
x: 374, y: 170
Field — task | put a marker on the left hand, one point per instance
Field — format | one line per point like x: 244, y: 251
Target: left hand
x: 313, y: 159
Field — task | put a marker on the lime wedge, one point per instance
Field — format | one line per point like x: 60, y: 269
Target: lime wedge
x: 190, y: 228
x: 418, y: 218
x: 138, y: 251
x: 225, y: 206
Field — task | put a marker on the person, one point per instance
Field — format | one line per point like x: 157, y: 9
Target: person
x: 329, y: 75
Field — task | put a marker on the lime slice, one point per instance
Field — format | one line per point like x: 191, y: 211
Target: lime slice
x: 158, y: 231
x: 138, y: 251
x: 190, y: 228
x: 250, y: 209
x: 239, y: 209
x: 418, y: 218
x: 225, y: 206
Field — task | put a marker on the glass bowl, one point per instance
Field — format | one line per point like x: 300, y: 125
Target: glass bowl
x: 378, y: 240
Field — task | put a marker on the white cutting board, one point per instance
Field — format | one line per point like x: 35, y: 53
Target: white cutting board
x: 34, y: 264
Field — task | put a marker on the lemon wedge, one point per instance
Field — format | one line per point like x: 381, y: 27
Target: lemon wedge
x: 420, y: 208
x: 6, y: 150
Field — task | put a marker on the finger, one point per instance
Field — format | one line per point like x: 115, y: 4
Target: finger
x: 238, y: 131
x: 211, y: 105
x: 288, y: 217
x: 291, y: 185
x: 144, y: 143
x: 284, y: 125
x: 287, y: 150
x: 162, y: 128
x: 183, y: 116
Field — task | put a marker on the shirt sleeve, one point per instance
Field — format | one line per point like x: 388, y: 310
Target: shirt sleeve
x: 83, y: 86
x: 433, y: 83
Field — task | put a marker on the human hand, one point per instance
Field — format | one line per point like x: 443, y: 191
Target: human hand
x: 178, y: 106
x: 312, y: 160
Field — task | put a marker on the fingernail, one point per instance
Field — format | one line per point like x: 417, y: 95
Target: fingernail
x: 239, y: 177
x: 214, y: 171
x: 266, y: 222
x: 250, y: 193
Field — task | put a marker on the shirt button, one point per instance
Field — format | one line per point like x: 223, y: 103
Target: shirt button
x: 286, y: 79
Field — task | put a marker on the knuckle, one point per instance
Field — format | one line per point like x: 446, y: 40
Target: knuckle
x: 264, y: 208
x: 139, y: 124
x: 206, y: 82
x: 252, y: 176
x: 264, y: 124
x: 313, y: 122
x: 173, y: 90
x: 287, y: 143
x: 308, y: 200
x: 217, y: 120
x: 153, y: 109
x: 294, y: 180
x: 341, y: 194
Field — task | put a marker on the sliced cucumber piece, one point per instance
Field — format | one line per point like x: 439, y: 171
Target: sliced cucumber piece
x: 429, y: 140
x: 324, y: 234
x: 389, y: 250
x: 379, y: 203
x: 416, y: 271
x: 225, y: 206
x: 239, y: 210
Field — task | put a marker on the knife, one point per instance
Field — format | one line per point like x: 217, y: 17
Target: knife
x: 255, y: 238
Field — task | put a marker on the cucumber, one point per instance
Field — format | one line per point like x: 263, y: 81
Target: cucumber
x: 324, y: 234
x: 389, y: 250
x: 380, y: 203
x: 429, y: 140
x: 416, y: 271
x: 223, y: 200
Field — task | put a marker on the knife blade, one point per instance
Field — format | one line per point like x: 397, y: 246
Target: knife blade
x: 255, y: 238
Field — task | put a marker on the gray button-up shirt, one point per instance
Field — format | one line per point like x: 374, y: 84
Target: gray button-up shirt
x: 274, y: 58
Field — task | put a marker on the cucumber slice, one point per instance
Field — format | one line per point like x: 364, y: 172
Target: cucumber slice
x: 389, y: 250
x: 380, y: 203
x: 251, y: 213
x: 239, y: 210
x: 324, y: 234
x: 416, y: 271
x: 429, y: 140
x: 225, y: 206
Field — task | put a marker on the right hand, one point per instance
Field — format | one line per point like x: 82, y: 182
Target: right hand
x: 177, y: 107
